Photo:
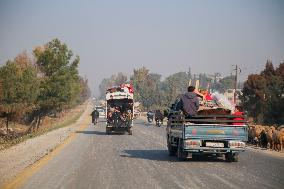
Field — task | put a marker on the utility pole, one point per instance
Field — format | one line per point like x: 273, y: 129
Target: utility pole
x: 237, y: 70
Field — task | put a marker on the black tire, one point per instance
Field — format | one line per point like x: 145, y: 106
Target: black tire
x: 195, y: 156
x: 232, y: 157
x: 108, y: 131
x: 172, y: 150
x: 181, y: 155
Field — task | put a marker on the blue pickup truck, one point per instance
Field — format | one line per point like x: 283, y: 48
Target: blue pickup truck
x: 206, y: 134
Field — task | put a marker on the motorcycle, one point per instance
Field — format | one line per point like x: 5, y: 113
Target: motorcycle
x: 150, y: 119
x: 95, y: 121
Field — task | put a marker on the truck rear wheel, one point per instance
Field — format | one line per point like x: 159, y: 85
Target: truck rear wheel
x: 108, y: 131
x: 181, y: 155
x: 172, y: 150
x: 232, y: 157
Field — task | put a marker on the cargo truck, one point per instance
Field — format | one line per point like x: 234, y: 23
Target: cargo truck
x: 206, y: 134
x: 119, y: 109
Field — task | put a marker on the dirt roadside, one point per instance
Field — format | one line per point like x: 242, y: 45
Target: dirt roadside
x: 15, y: 159
x: 266, y: 151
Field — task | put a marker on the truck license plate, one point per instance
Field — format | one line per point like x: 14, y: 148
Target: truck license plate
x: 215, y: 144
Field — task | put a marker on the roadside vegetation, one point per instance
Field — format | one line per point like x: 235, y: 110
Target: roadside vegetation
x: 39, y: 87
x: 263, y: 95
x: 155, y: 92
x: 262, y: 99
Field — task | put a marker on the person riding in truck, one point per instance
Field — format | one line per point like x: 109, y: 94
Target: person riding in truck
x: 189, y: 103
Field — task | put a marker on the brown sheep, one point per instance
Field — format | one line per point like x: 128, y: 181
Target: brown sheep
x: 275, y: 140
x: 281, y: 139
x: 278, y: 139
x: 251, y: 134
x: 269, y: 137
x: 254, y: 133
x: 281, y: 128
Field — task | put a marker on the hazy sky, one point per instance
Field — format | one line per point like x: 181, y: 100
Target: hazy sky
x: 166, y: 36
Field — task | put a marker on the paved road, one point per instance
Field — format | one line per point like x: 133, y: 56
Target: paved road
x: 96, y: 160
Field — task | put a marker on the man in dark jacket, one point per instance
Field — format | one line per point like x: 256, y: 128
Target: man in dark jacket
x: 189, y: 102
x: 159, y: 116
x: 95, y: 116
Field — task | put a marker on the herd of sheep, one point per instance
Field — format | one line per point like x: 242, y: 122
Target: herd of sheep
x: 268, y: 137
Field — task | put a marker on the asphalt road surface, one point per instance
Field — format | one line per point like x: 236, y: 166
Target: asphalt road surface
x: 96, y: 160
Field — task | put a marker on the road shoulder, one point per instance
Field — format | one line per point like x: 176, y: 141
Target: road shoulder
x: 268, y: 152
x: 15, y: 159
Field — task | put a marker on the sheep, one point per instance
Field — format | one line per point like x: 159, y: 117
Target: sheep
x: 263, y: 139
x: 281, y: 139
x: 254, y: 133
x: 269, y: 137
x: 278, y: 139
x: 281, y: 136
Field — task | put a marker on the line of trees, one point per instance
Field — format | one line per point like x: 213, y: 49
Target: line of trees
x: 44, y: 84
x: 154, y: 92
x: 263, y: 95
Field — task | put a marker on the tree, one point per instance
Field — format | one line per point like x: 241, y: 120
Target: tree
x: 21, y: 87
x: 147, y: 87
x: 204, y: 81
x: 114, y: 80
x: 175, y: 85
x: 85, y: 91
x: 223, y: 84
x: 119, y: 79
x: 59, y: 82
x: 263, y: 95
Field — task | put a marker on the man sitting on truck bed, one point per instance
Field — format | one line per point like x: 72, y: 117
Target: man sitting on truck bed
x: 189, y: 102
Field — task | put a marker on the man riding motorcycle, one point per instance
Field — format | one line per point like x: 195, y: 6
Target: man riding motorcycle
x: 150, y: 116
x: 95, y: 116
x: 159, y: 117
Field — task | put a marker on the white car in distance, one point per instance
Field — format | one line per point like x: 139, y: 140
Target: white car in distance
x: 102, y: 112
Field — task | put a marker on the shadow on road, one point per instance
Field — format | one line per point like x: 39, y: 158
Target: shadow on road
x: 162, y: 155
x: 157, y: 155
x: 140, y: 122
x: 92, y: 132
x: 101, y: 133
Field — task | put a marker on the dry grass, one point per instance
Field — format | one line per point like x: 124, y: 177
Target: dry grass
x: 49, y: 124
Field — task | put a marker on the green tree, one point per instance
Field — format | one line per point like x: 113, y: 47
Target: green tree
x: 175, y: 85
x: 21, y: 87
x: 147, y: 87
x: 223, y: 84
x: 59, y: 82
x: 114, y: 80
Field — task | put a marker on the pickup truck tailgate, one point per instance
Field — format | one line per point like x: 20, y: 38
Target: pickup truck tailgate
x: 216, y: 132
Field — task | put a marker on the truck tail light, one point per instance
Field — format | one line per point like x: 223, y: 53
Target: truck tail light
x: 192, y: 143
x: 236, y: 144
